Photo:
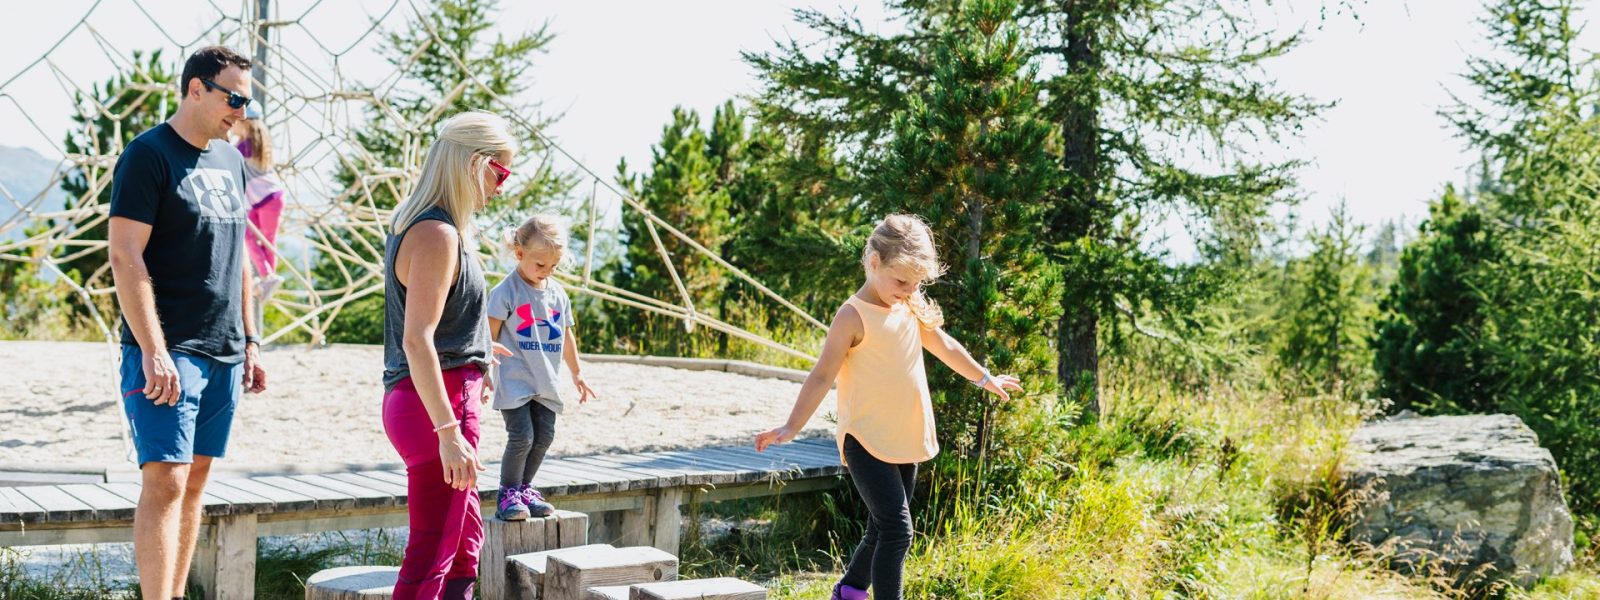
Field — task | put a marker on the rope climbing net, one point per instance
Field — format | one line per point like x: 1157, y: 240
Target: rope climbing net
x: 317, y: 112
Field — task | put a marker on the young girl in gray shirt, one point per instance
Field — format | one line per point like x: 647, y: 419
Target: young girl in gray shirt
x: 530, y: 316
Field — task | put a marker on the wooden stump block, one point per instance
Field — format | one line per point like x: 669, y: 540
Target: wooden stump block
x: 568, y: 576
x: 572, y: 529
x: 525, y: 572
x: 352, y: 583
x: 610, y: 592
x: 721, y: 588
x: 503, y: 539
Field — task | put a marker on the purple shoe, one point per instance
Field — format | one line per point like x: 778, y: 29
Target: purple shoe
x: 511, y: 505
x: 845, y: 592
x: 537, y: 507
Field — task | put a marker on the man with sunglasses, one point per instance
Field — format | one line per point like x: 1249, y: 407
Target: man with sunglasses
x: 177, y: 247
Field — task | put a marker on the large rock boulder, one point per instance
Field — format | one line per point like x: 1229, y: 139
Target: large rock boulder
x: 1473, y: 498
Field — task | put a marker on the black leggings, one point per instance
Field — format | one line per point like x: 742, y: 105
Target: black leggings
x: 530, y: 429
x: 880, y: 559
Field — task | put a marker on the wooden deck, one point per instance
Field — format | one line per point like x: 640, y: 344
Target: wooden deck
x: 632, y: 499
x: 29, y: 515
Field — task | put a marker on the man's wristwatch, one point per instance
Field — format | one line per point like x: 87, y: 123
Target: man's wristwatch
x: 250, y: 339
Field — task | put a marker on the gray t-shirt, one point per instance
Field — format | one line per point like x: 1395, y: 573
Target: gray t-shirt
x: 535, y: 330
x: 462, y: 335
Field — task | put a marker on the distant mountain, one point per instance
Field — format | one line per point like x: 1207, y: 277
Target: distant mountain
x: 25, y: 173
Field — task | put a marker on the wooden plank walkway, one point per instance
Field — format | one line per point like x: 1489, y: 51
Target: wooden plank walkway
x: 642, y: 494
x: 36, y: 509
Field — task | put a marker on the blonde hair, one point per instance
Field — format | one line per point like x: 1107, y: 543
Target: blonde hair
x: 542, y: 231
x: 452, y: 174
x: 260, y: 144
x: 903, y: 241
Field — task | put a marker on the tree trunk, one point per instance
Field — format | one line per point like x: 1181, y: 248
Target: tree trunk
x: 1078, y: 365
x: 1078, y: 360
x: 974, y: 267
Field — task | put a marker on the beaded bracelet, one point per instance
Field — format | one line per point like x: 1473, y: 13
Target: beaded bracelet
x: 446, y: 426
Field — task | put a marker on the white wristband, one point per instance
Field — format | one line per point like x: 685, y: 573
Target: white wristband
x: 982, y: 381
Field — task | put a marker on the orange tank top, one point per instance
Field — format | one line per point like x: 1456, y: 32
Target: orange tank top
x: 883, y: 387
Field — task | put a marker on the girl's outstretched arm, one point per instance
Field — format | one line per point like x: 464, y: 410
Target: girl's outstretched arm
x: 954, y: 355
x: 844, y: 334
x: 570, y: 355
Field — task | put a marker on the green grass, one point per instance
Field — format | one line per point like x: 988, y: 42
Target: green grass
x: 1216, y: 492
x: 282, y: 568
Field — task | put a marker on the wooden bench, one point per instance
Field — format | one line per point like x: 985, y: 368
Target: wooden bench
x: 632, y: 499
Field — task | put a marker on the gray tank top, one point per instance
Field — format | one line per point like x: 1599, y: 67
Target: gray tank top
x: 462, y: 337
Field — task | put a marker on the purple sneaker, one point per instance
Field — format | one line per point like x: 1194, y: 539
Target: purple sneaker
x: 511, y: 506
x: 537, y: 507
x: 845, y: 592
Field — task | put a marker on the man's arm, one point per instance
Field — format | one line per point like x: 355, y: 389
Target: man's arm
x: 127, y: 239
x: 255, y: 378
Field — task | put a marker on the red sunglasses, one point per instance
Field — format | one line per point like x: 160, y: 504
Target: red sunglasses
x: 501, y: 173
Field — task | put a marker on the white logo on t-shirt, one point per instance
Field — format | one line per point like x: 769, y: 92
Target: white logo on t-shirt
x: 215, y: 193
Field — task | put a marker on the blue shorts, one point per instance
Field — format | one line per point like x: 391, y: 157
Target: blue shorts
x: 198, y: 424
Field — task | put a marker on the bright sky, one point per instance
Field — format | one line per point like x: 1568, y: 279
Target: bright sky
x: 616, y: 69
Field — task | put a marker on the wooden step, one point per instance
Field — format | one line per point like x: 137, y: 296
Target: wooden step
x: 569, y: 575
x: 352, y: 583
x: 525, y: 572
x: 610, y: 592
x: 721, y: 588
x: 503, y: 539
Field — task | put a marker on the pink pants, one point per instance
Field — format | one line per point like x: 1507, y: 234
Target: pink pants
x: 441, y: 559
x: 265, y: 215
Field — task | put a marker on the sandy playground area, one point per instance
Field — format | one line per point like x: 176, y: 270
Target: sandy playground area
x: 59, y: 408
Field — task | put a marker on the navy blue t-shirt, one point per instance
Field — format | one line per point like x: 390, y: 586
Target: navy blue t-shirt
x: 194, y: 203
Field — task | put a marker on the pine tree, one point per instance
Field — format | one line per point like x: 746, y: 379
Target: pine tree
x: 1329, y: 312
x: 1427, y: 353
x: 687, y: 187
x: 1123, y: 84
x: 970, y: 156
x: 397, y: 137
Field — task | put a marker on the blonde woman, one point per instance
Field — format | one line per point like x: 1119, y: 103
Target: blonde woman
x: 874, y: 348
x: 436, y: 348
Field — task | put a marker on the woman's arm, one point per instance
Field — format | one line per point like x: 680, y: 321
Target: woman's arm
x: 845, y: 333
x: 954, y: 355
x: 427, y: 266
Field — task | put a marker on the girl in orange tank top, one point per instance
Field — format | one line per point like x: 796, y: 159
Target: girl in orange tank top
x: 873, y: 351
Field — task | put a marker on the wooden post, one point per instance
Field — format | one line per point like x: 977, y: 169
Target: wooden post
x: 526, y: 578
x: 667, y: 521
x: 504, y: 539
x: 657, y: 524
x: 569, y: 576
x: 722, y: 588
x: 606, y: 527
x: 507, y: 538
x: 636, y: 525
x: 353, y: 583
x: 225, y: 559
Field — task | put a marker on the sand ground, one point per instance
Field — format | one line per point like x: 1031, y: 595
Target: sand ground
x: 59, y: 406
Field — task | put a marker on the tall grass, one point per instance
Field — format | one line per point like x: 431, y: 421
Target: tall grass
x: 1209, y: 492
x: 84, y: 576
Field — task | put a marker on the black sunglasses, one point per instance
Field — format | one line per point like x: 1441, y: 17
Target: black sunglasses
x: 235, y: 100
